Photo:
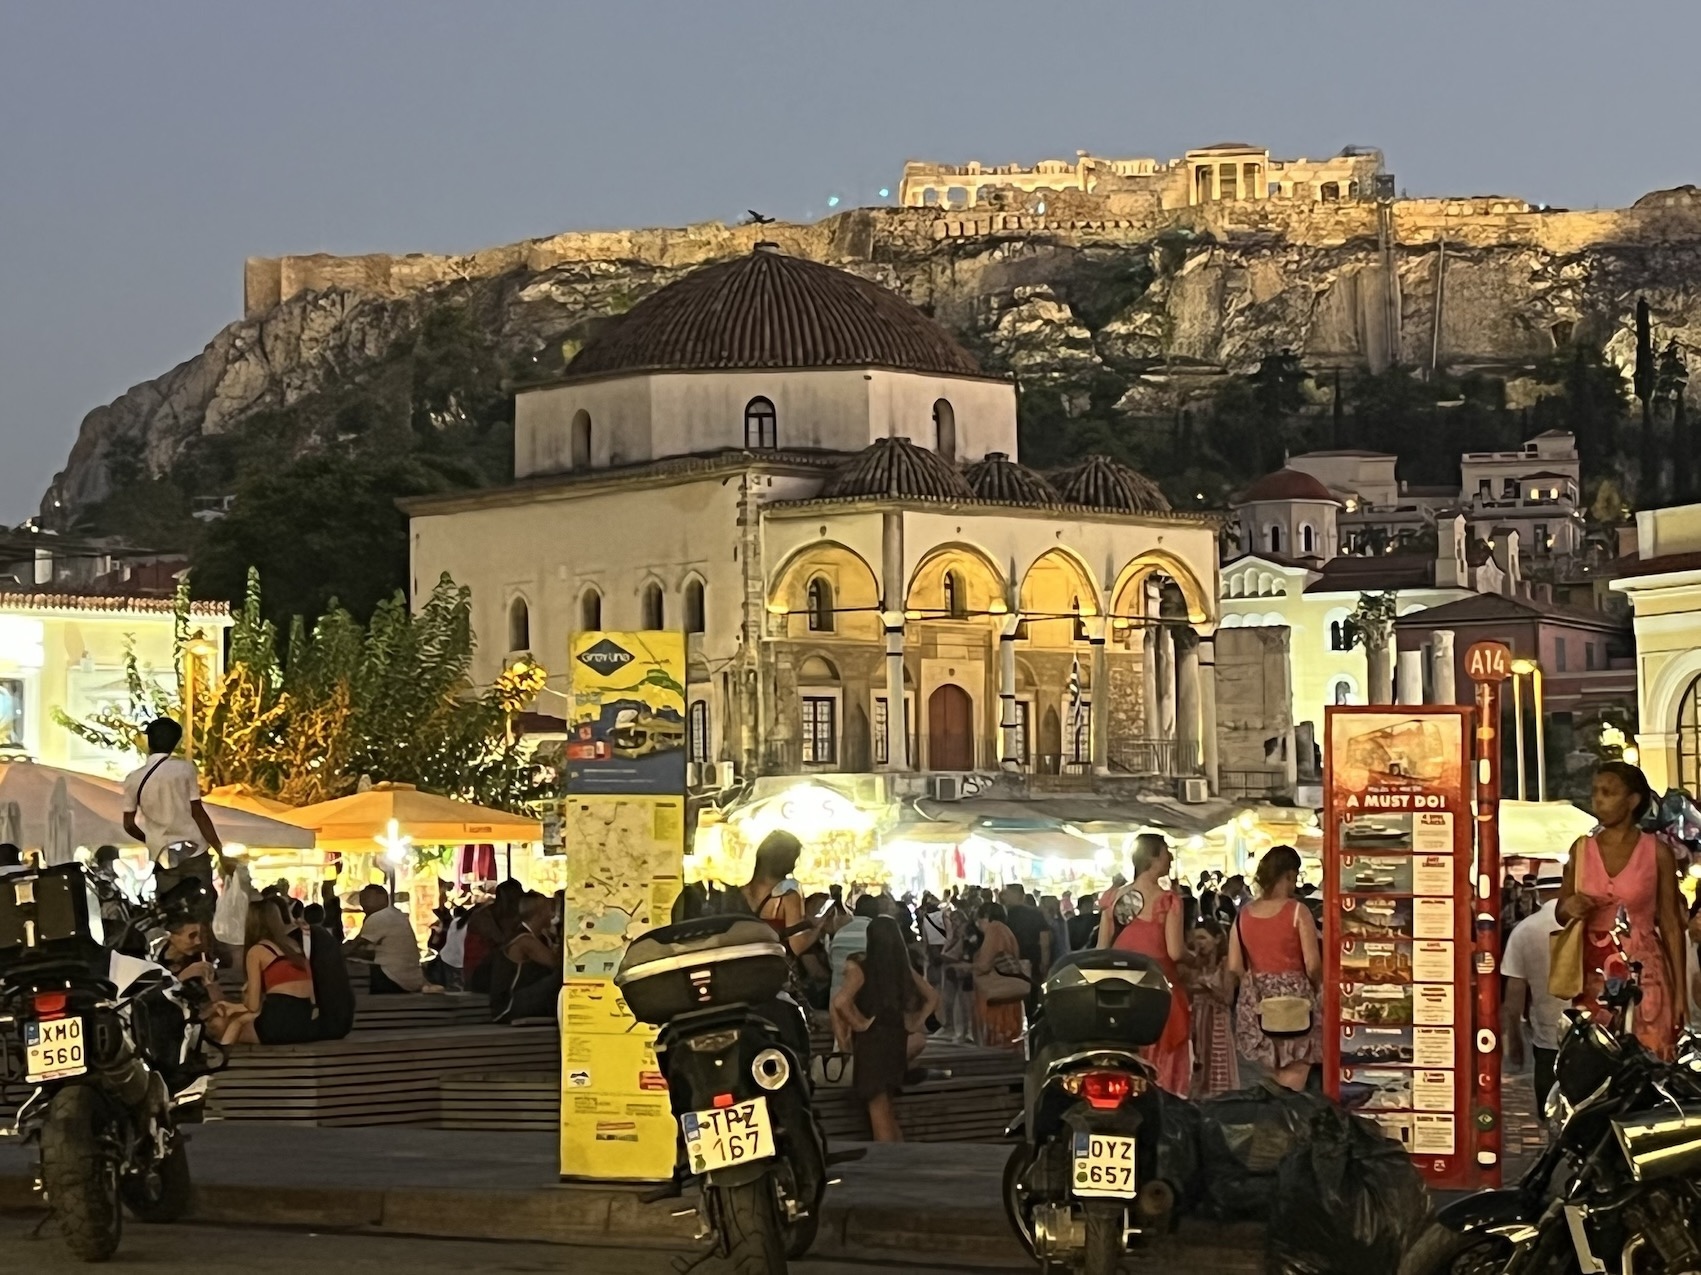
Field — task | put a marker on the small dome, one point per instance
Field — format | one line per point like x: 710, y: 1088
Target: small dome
x: 1286, y: 484
x: 770, y: 310
x: 1102, y: 483
x: 997, y: 477
x: 897, y: 467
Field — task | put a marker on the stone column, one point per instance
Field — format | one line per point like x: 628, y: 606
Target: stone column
x: 1379, y: 673
x: 1008, y: 758
x: 1098, y: 725
x: 1409, y: 678
x: 892, y: 617
x: 1443, y: 673
x: 1186, y: 699
x: 1208, y: 710
x: 1166, y: 684
x: 1149, y: 682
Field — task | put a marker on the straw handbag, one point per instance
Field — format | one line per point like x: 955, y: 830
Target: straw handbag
x: 1565, y: 962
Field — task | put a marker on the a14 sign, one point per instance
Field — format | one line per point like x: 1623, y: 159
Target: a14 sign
x: 1488, y: 662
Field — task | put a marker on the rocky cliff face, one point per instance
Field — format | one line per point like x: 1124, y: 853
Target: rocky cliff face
x: 1144, y: 315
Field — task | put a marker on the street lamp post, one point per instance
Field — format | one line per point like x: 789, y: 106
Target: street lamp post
x: 1533, y: 671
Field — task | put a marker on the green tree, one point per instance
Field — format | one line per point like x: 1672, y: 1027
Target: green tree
x: 1643, y: 384
x: 1670, y: 385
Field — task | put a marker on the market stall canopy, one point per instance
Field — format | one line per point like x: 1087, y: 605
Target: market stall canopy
x: 242, y: 797
x: 354, y: 824
x: 96, y: 812
x: 1542, y: 829
x: 1175, y: 817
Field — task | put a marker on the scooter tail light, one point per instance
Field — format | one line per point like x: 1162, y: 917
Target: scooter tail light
x: 723, y: 1101
x: 1106, y: 1090
x: 50, y: 1004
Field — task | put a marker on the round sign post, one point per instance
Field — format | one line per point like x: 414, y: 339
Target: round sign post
x: 1488, y: 664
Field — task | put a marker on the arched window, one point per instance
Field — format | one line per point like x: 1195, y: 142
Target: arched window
x: 761, y: 428
x: 1275, y: 538
x: 1689, y: 739
x: 1329, y: 192
x: 1307, y: 539
x: 654, y: 616
x: 579, y: 439
x: 590, y: 610
x: 956, y: 600
x: 945, y: 430
x: 694, y: 606
x: 820, y: 601
x: 519, y: 625
x: 1342, y: 691
x: 697, y: 732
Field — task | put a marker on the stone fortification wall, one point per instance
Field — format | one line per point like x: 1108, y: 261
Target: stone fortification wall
x: 866, y: 234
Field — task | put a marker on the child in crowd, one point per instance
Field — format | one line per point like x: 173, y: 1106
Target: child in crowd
x: 1211, y: 986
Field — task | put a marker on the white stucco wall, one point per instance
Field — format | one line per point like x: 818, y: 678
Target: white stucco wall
x: 639, y: 418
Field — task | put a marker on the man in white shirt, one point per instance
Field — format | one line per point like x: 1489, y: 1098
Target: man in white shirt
x: 162, y: 809
x: 1525, y: 964
x: 387, y: 939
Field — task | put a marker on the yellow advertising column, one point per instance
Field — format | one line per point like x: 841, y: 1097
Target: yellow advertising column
x: 623, y: 820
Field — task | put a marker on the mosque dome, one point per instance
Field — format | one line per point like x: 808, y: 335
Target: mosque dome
x: 1102, y: 483
x: 896, y: 467
x: 997, y: 477
x: 1286, y: 484
x: 768, y: 310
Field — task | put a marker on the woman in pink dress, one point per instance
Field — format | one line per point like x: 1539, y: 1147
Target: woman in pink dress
x: 1146, y: 918
x: 1621, y: 866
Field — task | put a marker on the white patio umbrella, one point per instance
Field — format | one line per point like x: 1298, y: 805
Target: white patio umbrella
x: 60, y: 844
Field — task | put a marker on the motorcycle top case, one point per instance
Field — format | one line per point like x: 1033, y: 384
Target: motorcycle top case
x: 51, y: 912
x: 702, y: 964
x: 1107, y: 996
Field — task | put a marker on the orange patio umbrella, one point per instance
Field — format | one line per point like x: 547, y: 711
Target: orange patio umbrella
x: 359, y: 823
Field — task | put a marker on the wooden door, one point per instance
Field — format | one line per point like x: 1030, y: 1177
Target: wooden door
x: 950, y: 729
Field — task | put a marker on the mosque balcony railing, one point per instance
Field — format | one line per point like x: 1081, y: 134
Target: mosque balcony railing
x: 1164, y: 758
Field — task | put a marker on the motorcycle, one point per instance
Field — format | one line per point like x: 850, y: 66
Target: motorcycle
x: 1618, y: 1187
x: 111, y: 1048
x: 735, y: 1053
x: 1083, y: 1182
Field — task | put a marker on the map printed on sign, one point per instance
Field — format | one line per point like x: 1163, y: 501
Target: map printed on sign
x: 623, y: 863
x: 1397, y: 841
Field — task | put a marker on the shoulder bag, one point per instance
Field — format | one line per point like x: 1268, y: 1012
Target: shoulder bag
x: 1565, y: 961
x: 1278, y: 1015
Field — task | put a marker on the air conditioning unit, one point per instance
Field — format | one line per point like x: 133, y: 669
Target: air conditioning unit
x: 722, y: 774
x: 693, y: 774
x: 944, y: 787
x: 1195, y: 792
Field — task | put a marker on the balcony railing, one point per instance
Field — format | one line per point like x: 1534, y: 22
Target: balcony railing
x: 1166, y: 758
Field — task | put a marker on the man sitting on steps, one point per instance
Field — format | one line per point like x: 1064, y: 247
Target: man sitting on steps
x: 386, y: 939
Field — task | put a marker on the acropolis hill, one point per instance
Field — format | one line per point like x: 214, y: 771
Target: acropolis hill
x: 1127, y: 286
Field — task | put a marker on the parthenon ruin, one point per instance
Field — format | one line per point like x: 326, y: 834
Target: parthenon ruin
x: 1222, y: 172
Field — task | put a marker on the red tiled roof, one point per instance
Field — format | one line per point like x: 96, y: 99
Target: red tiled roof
x: 1497, y: 606
x: 1625, y: 568
x: 1286, y: 484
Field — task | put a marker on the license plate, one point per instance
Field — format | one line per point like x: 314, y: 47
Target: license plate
x: 727, y: 1136
x: 1104, y: 1166
x: 53, y: 1049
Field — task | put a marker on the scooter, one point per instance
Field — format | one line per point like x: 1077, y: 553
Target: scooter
x: 735, y: 1052
x: 1083, y: 1182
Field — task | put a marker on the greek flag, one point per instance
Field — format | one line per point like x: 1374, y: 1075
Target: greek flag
x: 1074, y: 693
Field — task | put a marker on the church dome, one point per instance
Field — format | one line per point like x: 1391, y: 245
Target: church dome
x: 770, y: 310
x: 997, y: 477
x: 897, y: 467
x: 1102, y: 483
x: 1286, y: 484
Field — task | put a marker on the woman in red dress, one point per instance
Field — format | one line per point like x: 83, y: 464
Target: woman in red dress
x: 1621, y: 866
x: 1146, y: 917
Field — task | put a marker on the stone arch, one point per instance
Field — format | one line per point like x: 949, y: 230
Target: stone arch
x: 579, y: 440
x: 980, y: 584
x: 1052, y: 587
x: 854, y: 587
x: 519, y: 624
x: 590, y: 608
x: 1129, y: 594
x: 816, y: 669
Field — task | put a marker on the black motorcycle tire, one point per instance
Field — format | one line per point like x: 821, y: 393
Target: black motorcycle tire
x: 750, y: 1224
x: 1440, y: 1251
x: 79, y: 1177
x: 1103, y: 1252
x: 1021, y: 1157
x: 170, y: 1202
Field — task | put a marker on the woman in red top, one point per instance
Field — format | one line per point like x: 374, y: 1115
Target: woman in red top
x: 1274, y: 952
x: 1621, y: 866
x: 1146, y: 918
